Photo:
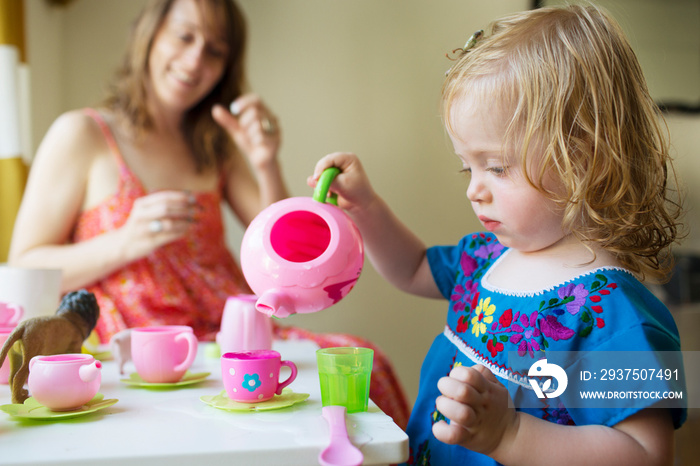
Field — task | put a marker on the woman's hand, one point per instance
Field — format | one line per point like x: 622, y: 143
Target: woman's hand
x: 253, y: 128
x: 158, y: 219
x: 476, y: 404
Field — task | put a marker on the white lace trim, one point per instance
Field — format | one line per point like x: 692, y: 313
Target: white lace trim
x: 476, y: 359
x: 531, y: 293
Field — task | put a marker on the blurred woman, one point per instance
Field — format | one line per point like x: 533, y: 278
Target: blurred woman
x: 125, y: 198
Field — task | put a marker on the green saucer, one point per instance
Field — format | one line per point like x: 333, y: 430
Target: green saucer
x: 222, y: 401
x: 187, y: 379
x: 31, y: 409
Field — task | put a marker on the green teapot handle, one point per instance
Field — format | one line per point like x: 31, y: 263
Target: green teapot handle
x: 324, y: 184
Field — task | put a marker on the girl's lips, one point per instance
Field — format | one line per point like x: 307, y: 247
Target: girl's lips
x: 489, y: 224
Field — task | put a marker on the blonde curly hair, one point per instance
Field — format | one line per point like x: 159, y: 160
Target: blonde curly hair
x: 583, y: 117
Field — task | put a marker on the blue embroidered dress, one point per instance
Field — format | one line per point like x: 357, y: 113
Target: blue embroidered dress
x: 602, y: 310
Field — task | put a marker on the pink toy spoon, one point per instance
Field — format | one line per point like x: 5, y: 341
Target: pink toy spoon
x: 339, y: 452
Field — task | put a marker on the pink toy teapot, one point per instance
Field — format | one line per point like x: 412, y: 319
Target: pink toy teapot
x: 301, y: 254
x: 64, y: 382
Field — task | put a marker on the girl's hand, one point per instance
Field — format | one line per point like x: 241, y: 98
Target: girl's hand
x: 352, y: 184
x: 477, y: 405
x: 158, y: 219
x: 253, y: 128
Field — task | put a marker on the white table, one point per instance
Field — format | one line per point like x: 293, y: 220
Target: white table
x: 172, y: 427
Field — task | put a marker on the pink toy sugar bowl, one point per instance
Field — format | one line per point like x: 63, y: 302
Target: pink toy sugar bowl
x: 302, y: 255
x: 63, y: 382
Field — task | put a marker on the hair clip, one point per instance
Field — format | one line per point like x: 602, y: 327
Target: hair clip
x: 471, y: 42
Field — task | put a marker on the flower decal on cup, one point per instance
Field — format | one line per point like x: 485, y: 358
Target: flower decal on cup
x: 251, y: 382
x: 255, y: 371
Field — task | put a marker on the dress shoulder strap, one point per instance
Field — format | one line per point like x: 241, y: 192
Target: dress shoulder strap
x: 109, y: 137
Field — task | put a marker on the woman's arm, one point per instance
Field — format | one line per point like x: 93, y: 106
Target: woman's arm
x: 395, y: 251
x: 253, y: 182
x: 54, y: 197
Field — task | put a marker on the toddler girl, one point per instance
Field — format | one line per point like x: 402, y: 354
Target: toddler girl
x: 567, y: 164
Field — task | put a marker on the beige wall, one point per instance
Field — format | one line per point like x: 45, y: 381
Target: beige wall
x: 360, y: 76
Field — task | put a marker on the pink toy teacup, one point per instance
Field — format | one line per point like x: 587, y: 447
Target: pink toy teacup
x: 162, y: 354
x: 63, y: 382
x: 302, y: 254
x: 243, y: 328
x: 5, y: 368
x: 253, y: 376
x: 10, y: 314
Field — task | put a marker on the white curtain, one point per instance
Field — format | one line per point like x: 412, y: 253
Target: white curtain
x: 14, y: 117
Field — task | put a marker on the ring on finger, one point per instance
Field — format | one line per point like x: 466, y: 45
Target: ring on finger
x: 268, y: 126
x: 155, y: 226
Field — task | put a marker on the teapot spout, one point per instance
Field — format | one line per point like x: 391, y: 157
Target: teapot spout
x: 275, y: 303
x: 88, y: 372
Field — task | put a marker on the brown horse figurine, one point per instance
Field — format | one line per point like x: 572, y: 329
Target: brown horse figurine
x: 61, y: 333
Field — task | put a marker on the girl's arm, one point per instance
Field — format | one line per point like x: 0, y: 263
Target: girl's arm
x: 397, y: 254
x: 645, y: 438
x: 256, y: 183
x: 53, y: 199
x: 478, y: 406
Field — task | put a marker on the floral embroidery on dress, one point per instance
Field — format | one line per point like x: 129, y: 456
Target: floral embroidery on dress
x: 422, y: 456
x: 525, y: 331
x: 483, y: 314
x: 559, y: 415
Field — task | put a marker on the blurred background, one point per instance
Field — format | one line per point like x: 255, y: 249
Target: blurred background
x: 365, y: 76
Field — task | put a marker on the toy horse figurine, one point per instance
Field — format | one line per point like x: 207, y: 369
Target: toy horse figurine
x: 61, y: 333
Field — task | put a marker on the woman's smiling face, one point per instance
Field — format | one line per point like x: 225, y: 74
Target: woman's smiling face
x: 187, y: 59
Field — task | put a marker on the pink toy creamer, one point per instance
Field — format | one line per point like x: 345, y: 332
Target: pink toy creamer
x: 243, y: 328
x: 63, y: 382
x: 5, y: 367
x: 302, y: 255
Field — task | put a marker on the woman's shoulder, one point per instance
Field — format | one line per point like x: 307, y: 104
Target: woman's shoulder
x: 76, y: 134
x: 77, y: 119
x: 74, y: 126
x: 71, y: 146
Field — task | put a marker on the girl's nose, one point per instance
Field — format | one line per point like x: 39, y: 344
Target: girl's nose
x: 477, y: 190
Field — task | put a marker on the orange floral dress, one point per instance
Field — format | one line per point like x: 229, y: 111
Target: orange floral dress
x: 186, y: 282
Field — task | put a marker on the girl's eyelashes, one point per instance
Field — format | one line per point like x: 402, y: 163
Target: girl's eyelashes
x: 498, y: 170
